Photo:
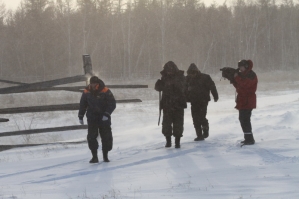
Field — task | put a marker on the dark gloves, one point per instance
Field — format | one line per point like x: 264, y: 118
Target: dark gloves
x: 159, y: 85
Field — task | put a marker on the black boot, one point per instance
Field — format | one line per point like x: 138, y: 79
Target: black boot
x: 199, y: 134
x: 105, y: 156
x: 94, y: 158
x: 177, y: 142
x: 205, y: 129
x: 168, y: 141
x: 249, y: 140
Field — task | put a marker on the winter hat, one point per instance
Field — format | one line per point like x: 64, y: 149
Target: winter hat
x: 243, y: 62
x: 192, y: 69
x: 94, y: 80
x: 170, y: 67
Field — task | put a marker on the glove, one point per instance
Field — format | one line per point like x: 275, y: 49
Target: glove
x: 81, y: 121
x: 159, y: 85
x: 105, y: 118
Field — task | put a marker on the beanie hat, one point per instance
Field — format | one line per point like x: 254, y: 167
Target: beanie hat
x: 243, y: 62
x: 94, y: 80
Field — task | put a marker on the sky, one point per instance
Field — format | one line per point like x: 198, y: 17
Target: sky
x: 11, y: 4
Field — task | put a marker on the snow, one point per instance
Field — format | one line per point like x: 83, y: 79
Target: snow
x: 141, y: 167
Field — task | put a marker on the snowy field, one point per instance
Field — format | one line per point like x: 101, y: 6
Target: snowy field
x: 141, y: 167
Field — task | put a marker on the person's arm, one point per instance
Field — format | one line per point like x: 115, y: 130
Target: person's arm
x: 159, y: 86
x: 83, y: 107
x: 111, y: 103
x: 213, y: 89
x: 246, y: 83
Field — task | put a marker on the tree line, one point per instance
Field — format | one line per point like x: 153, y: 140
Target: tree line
x: 45, y: 39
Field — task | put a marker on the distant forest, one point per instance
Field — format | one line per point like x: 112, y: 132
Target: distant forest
x: 45, y: 39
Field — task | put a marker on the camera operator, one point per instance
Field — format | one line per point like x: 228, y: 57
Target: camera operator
x: 245, y: 82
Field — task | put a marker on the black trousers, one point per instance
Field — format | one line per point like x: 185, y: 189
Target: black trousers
x: 94, y: 129
x: 173, y: 122
x: 199, y: 113
x: 244, y: 118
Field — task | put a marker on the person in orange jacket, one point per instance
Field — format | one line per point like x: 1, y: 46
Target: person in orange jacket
x: 98, y: 102
x: 245, y: 82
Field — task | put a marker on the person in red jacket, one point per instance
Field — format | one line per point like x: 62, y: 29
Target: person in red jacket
x: 245, y: 82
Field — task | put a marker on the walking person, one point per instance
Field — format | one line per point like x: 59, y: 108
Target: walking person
x: 245, y: 82
x: 98, y: 102
x: 199, y: 87
x: 173, y: 103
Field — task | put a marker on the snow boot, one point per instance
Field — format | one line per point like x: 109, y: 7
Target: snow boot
x: 199, y: 134
x: 105, y: 156
x: 249, y: 140
x: 177, y: 142
x: 205, y: 129
x: 94, y: 158
x: 168, y: 141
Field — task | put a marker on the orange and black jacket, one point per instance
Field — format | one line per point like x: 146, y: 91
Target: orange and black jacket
x: 97, y: 103
x: 246, y: 85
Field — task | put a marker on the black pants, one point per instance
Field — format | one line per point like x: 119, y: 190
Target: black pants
x: 173, y: 122
x: 106, y: 136
x: 244, y: 117
x: 199, y: 113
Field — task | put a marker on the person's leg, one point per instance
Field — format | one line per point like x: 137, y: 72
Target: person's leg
x: 92, y: 141
x: 196, y: 115
x: 167, y: 126
x: 107, y: 141
x: 178, y: 126
x: 245, y: 121
x: 204, y: 120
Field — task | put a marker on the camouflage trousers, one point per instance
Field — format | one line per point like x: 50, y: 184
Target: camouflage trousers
x: 173, y: 122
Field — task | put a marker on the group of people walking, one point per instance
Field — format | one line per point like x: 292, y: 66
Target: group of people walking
x: 196, y: 88
x: 177, y: 89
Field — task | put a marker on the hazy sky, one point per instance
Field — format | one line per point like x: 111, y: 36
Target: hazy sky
x: 13, y: 4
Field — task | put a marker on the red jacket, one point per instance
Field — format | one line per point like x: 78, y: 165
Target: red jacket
x: 246, y: 84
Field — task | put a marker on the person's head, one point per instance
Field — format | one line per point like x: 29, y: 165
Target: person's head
x: 94, y: 80
x: 243, y: 65
x: 170, y: 68
x: 192, y: 70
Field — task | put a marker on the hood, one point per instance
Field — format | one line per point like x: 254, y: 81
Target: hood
x: 192, y: 68
x: 250, y: 65
x: 170, y: 67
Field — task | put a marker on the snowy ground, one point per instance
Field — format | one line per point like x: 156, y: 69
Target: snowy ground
x: 141, y: 167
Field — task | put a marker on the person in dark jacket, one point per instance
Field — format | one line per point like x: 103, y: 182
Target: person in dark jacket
x: 173, y: 102
x: 245, y: 82
x: 99, y: 103
x: 199, y: 87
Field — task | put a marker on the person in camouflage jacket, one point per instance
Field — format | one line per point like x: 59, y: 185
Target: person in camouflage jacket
x: 199, y: 87
x: 173, y: 102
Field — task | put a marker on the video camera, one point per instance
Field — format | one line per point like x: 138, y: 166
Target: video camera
x: 228, y: 73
